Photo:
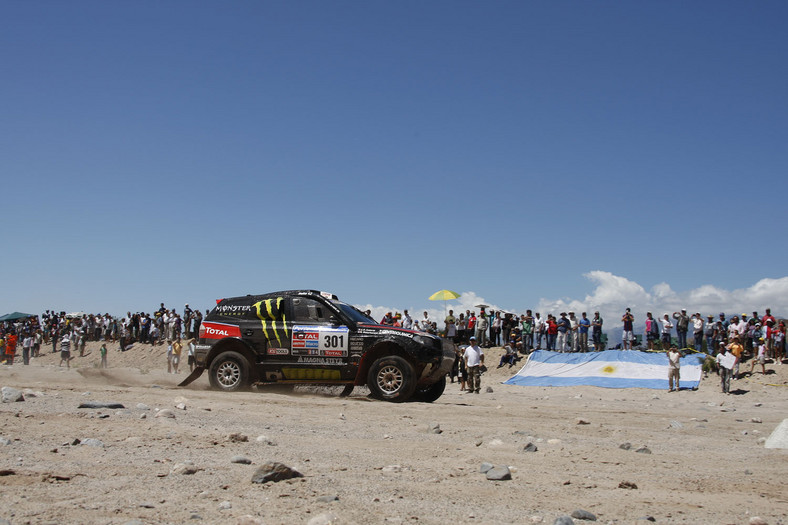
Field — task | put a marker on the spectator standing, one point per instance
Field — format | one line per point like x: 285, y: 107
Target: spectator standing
x: 471, y: 324
x: 65, y: 351
x: 652, y: 330
x: 39, y: 338
x: 725, y: 369
x: 563, y: 327
x: 582, y: 332
x: 187, y: 315
x: 10, y: 347
x: 697, y: 331
x: 540, y: 329
x: 674, y: 367
x: 451, y: 326
x: 481, y: 328
x: 426, y: 324
x: 462, y: 323
x: 667, y: 326
x: 190, y: 354
x: 737, y: 350
x: 103, y: 352
x: 760, y: 357
x: 474, y: 359
x: 27, y: 348
x: 407, y: 321
x: 708, y: 333
x: 627, y: 336
x: 682, y: 327
x: 527, y: 325
x: 495, y: 328
x: 779, y: 343
x: 177, y: 347
x: 169, y: 356
x: 551, y: 331
x: 596, y: 332
x: 573, y: 328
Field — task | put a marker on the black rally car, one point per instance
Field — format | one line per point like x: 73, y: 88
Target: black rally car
x: 310, y: 337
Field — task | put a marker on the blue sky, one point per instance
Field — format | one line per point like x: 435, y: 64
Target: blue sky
x: 523, y: 153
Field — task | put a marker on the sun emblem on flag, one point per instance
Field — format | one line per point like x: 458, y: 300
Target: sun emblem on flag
x: 609, y: 369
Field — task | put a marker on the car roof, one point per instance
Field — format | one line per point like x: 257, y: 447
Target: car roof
x: 282, y: 293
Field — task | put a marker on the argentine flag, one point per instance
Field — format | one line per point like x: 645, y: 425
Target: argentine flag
x: 608, y: 369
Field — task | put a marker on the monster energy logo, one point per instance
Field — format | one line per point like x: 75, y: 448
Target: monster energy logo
x: 269, y: 312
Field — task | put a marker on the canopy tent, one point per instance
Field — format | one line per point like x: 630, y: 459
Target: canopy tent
x: 14, y: 316
x: 608, y: 369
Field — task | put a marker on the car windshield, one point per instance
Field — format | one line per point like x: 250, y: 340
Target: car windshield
x: 353, y: 313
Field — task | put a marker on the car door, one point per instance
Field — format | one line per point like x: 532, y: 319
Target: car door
x: 269, y: 329
x: 319, y: 348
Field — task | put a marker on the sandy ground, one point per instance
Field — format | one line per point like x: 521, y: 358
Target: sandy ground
x: 381, y: 460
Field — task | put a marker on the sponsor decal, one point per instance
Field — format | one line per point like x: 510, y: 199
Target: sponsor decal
x: 330, y: 340
x: 312, y: 373
x: 320, y: 361
x: 356, y: 345
x: 306, y: 351
x: 305, y: 339
x: 272, y: 317
x: 278, y: 351
x: 234, y: 308
x: 212, y: 330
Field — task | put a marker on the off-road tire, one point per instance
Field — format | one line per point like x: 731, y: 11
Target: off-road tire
x: 229, y: 371
x: 392, y: 378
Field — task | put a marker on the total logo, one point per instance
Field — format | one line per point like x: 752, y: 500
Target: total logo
x: 219, y: 330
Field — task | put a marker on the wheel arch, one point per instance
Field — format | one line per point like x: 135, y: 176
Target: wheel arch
x: 382, y: 349
x: 232, y: 344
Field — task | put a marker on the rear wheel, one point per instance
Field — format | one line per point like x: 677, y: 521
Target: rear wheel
x: 431, y: 393
x: 392, y: 378
x: 229, y: 372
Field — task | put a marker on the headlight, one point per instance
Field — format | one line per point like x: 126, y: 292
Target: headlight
x: 425, y: 340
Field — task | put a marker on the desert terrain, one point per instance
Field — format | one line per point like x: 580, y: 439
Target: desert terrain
x: 367, y: 461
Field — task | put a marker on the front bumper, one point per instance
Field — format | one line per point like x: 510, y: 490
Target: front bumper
x: 434, y: 372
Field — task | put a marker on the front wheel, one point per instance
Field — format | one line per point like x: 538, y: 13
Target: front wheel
x: 431, y: 393
x: 229, y: 372
x: 392, y: 378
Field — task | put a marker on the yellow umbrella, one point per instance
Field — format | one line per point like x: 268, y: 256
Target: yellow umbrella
x: 444, y: 295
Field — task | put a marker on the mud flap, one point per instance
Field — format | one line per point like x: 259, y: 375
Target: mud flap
x: 197, y: 372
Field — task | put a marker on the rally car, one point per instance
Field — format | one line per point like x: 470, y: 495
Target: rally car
x: 310, y: 337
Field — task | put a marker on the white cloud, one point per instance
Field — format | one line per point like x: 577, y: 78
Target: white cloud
x: 614, y: 293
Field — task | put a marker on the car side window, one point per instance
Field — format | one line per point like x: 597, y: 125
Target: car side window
x: 306, y: 310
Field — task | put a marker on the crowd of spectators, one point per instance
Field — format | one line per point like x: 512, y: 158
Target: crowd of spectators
x: 71, y: 332
x: 567, y: 332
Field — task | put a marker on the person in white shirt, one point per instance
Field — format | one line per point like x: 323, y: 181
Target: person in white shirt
x: 667, y: 326
x: 474, y: 360
x: 27, y: 348
x: 674, y: 365
x: 426, y: 324
x: 573, y: 326
x: 697, y: 331
x: 407, y: 321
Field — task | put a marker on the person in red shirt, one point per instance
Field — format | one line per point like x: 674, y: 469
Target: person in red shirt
x: 10, y: 348
x: 471, y: 324
x: 770, y: 323
x: 552, y: 332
